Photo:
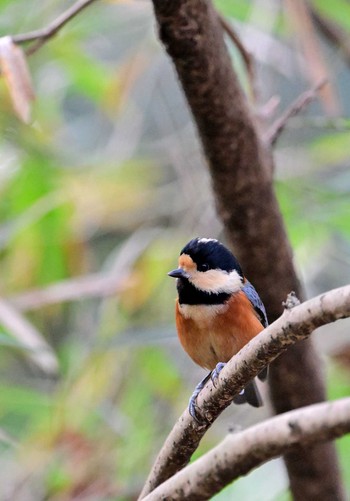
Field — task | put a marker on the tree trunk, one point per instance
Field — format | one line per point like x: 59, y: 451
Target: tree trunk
x: 241, y: 168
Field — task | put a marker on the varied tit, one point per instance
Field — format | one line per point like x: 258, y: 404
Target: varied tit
x: 217, y: 311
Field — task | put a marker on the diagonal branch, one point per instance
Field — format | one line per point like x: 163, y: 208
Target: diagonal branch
x: 42, y: 35
x: 239, y: 453
x: 295, y: 107
x: 100, y: 284
x: 294, y: 325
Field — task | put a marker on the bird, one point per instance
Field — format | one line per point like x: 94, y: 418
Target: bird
x: 217, y: 312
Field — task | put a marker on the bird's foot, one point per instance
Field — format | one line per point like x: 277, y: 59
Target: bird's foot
x: 215, y: 373
x: 192, y: 405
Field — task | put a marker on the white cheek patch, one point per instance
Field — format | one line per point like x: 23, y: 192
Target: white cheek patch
x: 217, y: 281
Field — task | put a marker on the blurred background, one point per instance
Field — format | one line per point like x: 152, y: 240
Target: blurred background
x: 99, y: 193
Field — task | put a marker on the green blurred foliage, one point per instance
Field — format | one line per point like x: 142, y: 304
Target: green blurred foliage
x: 338, y: 10
x: 108, y: 181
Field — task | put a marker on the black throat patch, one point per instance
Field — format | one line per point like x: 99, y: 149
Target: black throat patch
x: 188, y: 294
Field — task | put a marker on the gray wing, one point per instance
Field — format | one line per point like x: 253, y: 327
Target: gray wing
x: 258, y: 305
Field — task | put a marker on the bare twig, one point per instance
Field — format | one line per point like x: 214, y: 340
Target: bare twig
x: 42, y: 35
x: 246, y: 56
x: 296, y: 107
x: 294, y: 325
x: 92, y: 285
x: 239, y: 453
x: 104, y: 283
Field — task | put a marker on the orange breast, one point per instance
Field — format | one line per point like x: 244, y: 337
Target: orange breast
x: 212, y: 333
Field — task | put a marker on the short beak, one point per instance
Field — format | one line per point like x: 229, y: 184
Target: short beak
x: 178, y: 273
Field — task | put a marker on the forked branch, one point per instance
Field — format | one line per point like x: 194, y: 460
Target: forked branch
x: 42, y: 35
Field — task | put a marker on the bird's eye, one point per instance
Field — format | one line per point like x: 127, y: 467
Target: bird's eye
x: 203, y: 267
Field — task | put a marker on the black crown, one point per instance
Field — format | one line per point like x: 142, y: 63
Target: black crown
x: 211, y: 254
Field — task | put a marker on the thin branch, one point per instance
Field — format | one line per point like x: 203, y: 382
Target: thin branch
x: 42, y: 35
x: 295, y: 107
x: 102, y: 284
x: 239, y: 453
x: 92, y: 285
x: 246, y: 56
x: 294, y: 325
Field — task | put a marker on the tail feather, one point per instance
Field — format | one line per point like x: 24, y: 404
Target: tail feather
x: 249, y: 395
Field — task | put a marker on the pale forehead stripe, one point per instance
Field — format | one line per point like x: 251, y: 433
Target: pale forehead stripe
x: 186, y: 262
x: 206, y: 240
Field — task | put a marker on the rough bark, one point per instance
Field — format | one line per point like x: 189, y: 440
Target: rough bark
x: 241, y: 169
x: 294, y: 325
x: 239, y: 453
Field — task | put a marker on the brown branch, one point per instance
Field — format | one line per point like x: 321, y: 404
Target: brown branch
x: 239, y: 453
x: 294, y: 325
x: 42, y: 35
x: 241, y: 169
x: 246, y: 56
x: 293, y: 109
